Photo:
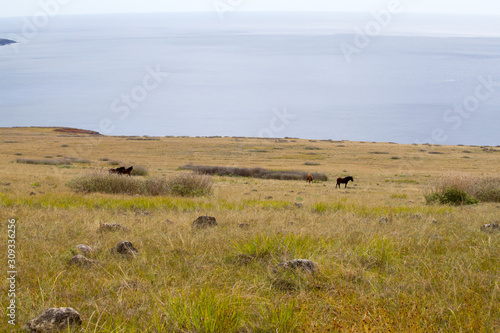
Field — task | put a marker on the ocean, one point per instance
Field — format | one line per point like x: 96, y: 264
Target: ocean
x: 361, y: 77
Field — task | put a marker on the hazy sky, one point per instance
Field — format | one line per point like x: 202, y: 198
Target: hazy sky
x: 31, y: 7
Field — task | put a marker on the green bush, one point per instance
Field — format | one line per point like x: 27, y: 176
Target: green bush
x: 451, y: 196
x: 464, y: 189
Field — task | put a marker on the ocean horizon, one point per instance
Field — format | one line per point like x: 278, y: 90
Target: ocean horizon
x: 360, y: 77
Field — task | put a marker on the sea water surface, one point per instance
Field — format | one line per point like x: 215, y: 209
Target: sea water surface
x: 419, y: 79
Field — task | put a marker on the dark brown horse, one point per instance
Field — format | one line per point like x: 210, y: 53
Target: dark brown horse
x: 128, y: 171
x: 309, y: 178
x: 119, y: 170
x: 344, y: 181
x: 122, y: 170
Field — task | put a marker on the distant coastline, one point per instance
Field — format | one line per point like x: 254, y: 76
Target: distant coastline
x: 6, y: 41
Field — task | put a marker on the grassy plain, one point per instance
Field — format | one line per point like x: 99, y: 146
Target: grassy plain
x: 425, y: 268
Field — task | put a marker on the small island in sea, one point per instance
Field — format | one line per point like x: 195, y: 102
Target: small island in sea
x: 6, y: 41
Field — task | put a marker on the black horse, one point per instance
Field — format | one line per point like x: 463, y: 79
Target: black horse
x: 344, y: 181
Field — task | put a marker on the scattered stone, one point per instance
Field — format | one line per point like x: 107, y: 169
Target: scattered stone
x: 7, y: 184
x: 492, y: 227
x: 411, y: 201
x: 268, y: 197
x: 81, y: 260
x: 32, y: 193
x: 304, y: 264
x: 434, y: 221
x: 111, y: 227
x: 298, y: 204
x: 85, y: 249
x: 54, y: 319
x: 248, y: 193
x: 205, y: 222
x: 169, y: 222
x: 244, y: 225
x: 417, y: 216
x: 126, y: 248
x: 254, y: 190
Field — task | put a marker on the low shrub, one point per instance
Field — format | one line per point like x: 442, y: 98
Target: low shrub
x: 463, y: 189
x: 452, y: 196
x: 44, y: 161
x: 78, y: 160
x: 190, y: 185
x: 103, y: 182
x: 139, y: 170
x: 254, y: 172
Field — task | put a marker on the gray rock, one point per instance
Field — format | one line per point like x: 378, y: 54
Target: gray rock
x: 298, y: 204
x: 54, y: 319
x: 81, y: 260
x: 126, y: 248
x: 304, y: 264
x: 85, y: 249
x: 205, y: 222
x: 434, y: 221
x: 383, y: 220
x: 492, y: 227
x: 244, y: 225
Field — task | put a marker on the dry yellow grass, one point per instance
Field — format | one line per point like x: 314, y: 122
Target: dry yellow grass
x: 406, y: 274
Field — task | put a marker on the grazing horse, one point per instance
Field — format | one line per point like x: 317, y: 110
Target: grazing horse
x: 309, y: 178
x: 119, y: 170
x: 344, y: 181
x: 128, y: 171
